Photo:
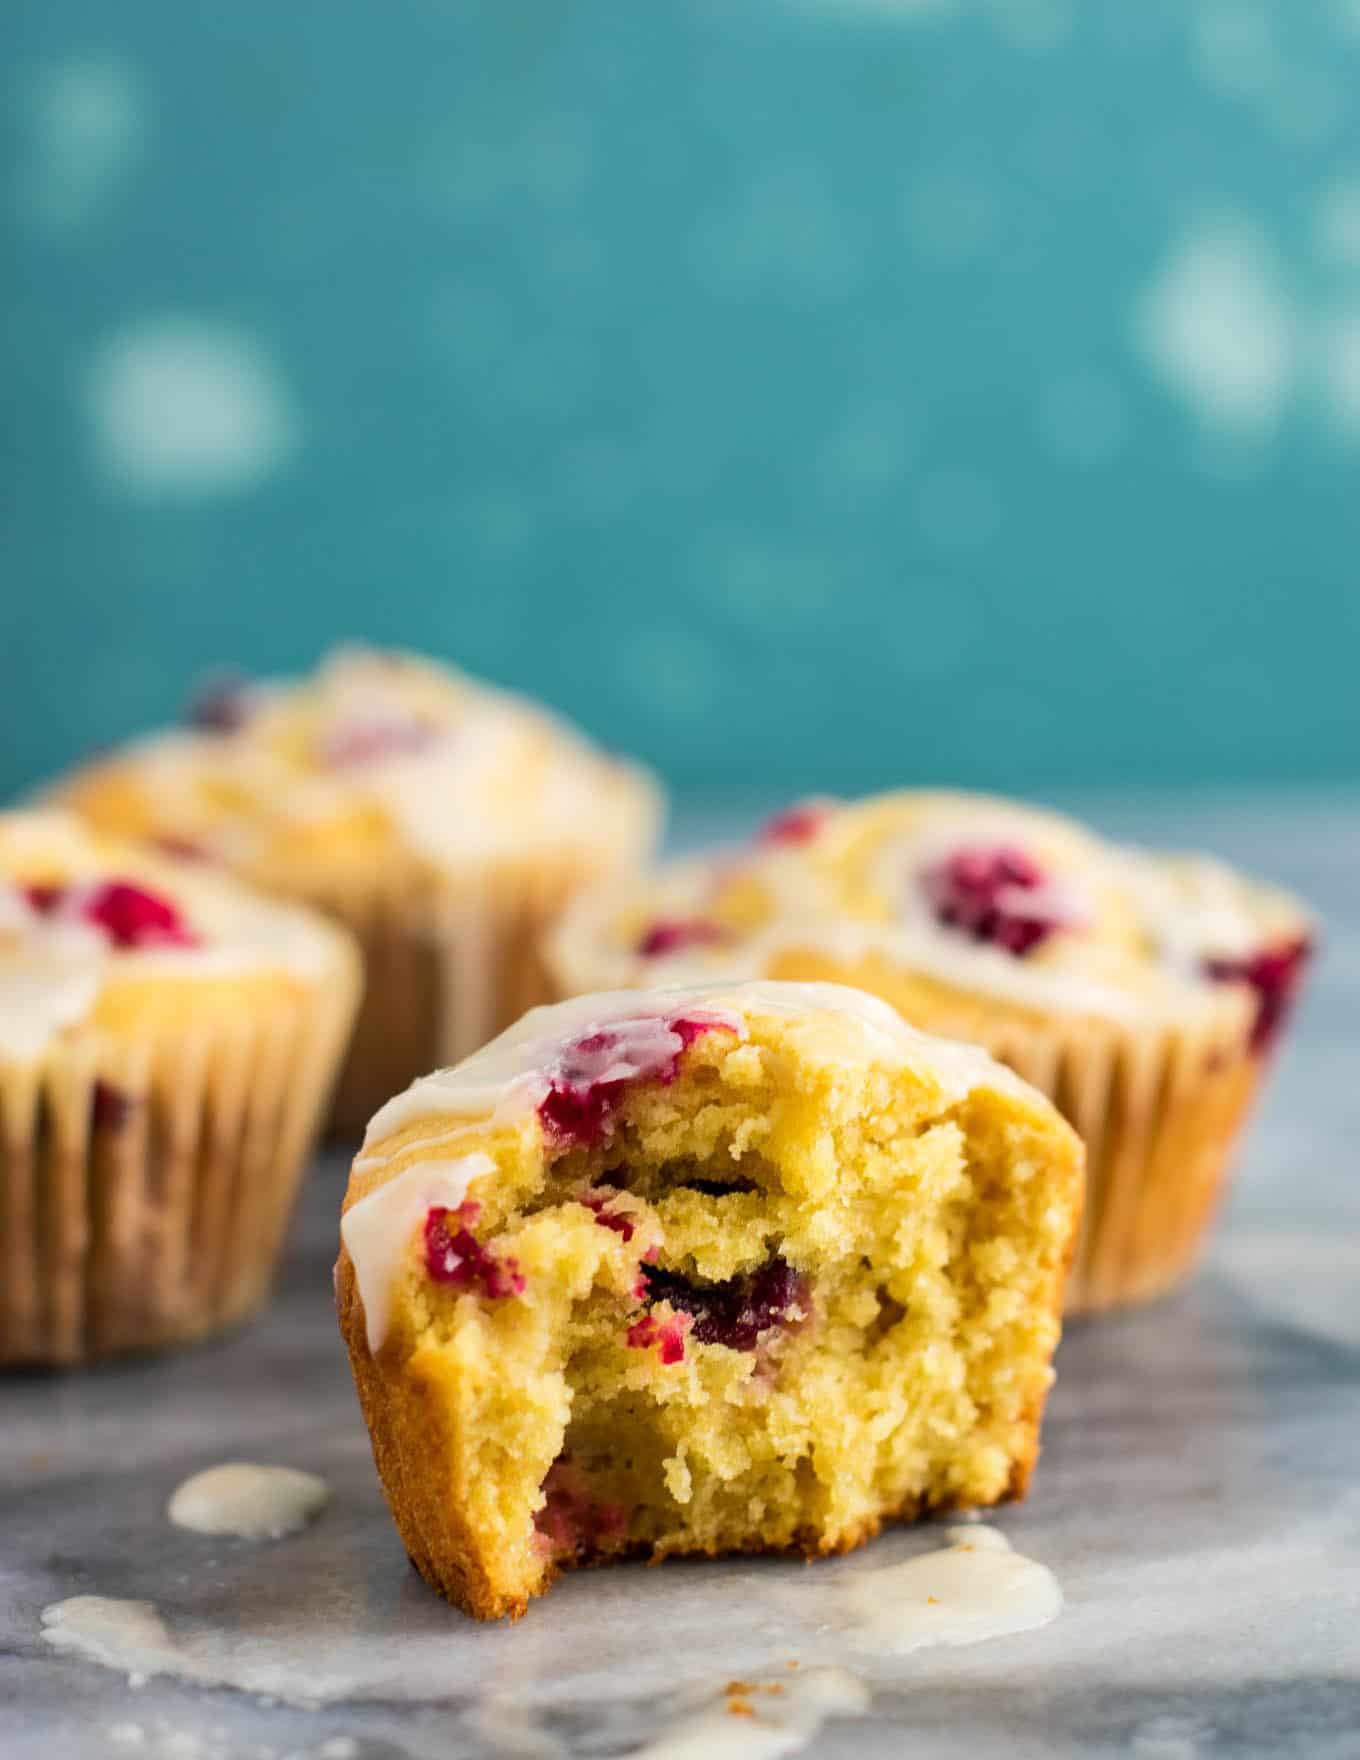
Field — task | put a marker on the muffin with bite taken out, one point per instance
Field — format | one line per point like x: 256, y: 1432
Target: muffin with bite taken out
x: 737, y: 1268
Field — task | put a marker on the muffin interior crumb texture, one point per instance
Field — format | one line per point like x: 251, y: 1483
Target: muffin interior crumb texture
x: 767, y: 1301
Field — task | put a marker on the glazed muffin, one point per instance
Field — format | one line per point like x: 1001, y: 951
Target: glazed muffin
x: 743, y: 1268
x: 1142, y: 993
x: 443, y: 822
x: 167, y: 1043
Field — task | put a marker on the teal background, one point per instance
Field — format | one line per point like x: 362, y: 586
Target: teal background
x: 801, y: 395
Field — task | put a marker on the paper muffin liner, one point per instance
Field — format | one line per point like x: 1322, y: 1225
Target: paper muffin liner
x: 145, y: 1183
x: 1159, y: 1109
x: 449, y: 961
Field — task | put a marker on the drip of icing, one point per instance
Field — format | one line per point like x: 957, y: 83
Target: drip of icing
x: 256, y: 1503
x: 54, y: 966
x: 377, y: 1231
x: 131, y: 1636
x: 1193, y: 909
x: 1189, y: 909
x: 807, y: 918
x: 42, y: 993
x: 759, y: 1725
x: 511, y: 1074
x: 459, y: 770
x: 974, y: 1589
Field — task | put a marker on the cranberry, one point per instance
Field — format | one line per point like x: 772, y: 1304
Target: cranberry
x: 734, y: 1313
x: 583, y: 1099
x: 598, y: 1202
x: 133, y: 917
x: 1275, y: 974
x: 222, y: 705
x: 573, y: 1520
x: 454, y: 1255
x: 795, y: 825
x: 672, y: 935
x: 667, y: 1335
x: 129, y: 914
x: 110, y: 1107
x: 986, y: 892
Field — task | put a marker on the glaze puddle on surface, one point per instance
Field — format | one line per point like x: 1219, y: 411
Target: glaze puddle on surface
x: 974, y: 1589
x: 322, y: 1633
x: 255, y: 1503
x: 760, y: 1720
x: 132, y: 1637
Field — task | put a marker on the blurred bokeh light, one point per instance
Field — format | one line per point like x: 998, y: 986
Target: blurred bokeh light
x: 817, y: 393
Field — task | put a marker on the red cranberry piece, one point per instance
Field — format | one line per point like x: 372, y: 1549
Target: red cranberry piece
x: 110, y: 1107
x: 667, y: 1335
x: 129, y: 914
x: 372, y: 737
x: 223, y: 705
x: 583, y: 1099
x: 795, y: 825
x: 984, y: 892
x: 688, y: 1030
x: 582, y: 1115
x: 734, y: 1313
x: 573, y: 1520
x: 455, y: 1256
x: 133, y: 917
x: 1275, y: 974
x: 597, y: 1203
x: 672, y: 935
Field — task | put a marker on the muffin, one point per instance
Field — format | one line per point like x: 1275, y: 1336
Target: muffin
x: 167, y: 1043
x: 442, y: 822
x: 1142, y: 993
x: 741, y: 1268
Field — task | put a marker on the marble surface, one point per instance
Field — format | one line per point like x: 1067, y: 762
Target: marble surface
x: 1198, y: 1499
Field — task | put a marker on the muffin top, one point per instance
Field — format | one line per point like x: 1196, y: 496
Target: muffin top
x: 965, y: 893
x: 375, y: 756
x: 562, y: 1060
x: 557, y: 1081
x: 100, y: 934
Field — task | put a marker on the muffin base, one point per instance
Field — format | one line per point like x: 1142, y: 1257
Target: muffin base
x: 448, y: 963
x: 145, y: 1185
x: 419, y: 1458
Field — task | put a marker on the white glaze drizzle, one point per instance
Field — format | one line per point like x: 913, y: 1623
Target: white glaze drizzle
x: 1194, y: 908
x: 976, y: 1588
x: 777, y: 1723
x: 54, y: 965
x: 512, y: 1073
x: 377, y: 1230
x: 495, y: 774
x: 40, y: 996
x: 252, y: 1502
x: 808, y: 916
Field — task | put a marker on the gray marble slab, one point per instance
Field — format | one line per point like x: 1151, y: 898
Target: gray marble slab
x: 1199, y: 1499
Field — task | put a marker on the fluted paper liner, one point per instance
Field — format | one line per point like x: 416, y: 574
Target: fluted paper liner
x: 1159, y: 1109
x: 449, y: 961
x: 145, y: 1183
